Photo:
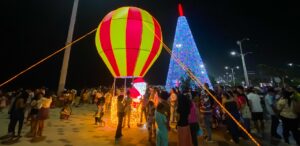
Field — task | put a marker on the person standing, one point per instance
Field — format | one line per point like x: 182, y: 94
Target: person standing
x: 256, y: 110
x: 231, y: 105
x: 173, y: 105
x: 289, y: 119
x: 162, y: 126
x: 184, y: 133
x: 127, y: 111
x: 244, y: 106
x: 44, y: 104
x: 151, y: 120
x: 206, y: 110
x: 163, y: 99
x: 108, y: 97
x: 143, y: 113
x: 17, y: 114
x: 28, y: 106
x: 194, y: 119
x: 215, y: 117
x: 270, y: 101
x: 34, y: 113
x: 120, y: 113
x: 98, y: 115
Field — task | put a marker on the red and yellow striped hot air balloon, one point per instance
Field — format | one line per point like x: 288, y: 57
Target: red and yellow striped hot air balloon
x: 126, y: 41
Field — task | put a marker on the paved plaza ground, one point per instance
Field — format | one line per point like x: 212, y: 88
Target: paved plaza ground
x: 80, y: 130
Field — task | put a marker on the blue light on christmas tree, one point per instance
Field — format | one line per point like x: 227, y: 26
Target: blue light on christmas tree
x: 185, y: 49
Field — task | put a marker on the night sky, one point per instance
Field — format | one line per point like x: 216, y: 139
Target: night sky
x: 32, y: 29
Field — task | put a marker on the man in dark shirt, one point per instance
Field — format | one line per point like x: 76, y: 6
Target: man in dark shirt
x: 120, y: 113
x: 17, y: 114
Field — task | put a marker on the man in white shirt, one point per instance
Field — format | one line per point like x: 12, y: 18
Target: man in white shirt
x: 257, y: 110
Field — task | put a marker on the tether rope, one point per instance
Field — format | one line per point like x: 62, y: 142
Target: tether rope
x: 46, y: 58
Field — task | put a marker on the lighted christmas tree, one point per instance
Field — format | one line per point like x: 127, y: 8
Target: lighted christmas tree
x: 185, y: 49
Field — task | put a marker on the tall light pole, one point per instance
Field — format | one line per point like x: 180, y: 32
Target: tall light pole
x: 65, y: 64
x: 239, y: 43
x: 227, y: 76
x: 232, y: 72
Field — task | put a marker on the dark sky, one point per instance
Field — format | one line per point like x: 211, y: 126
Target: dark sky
x: 32, y: 29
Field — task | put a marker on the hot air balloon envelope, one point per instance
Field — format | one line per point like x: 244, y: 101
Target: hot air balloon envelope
x: 129, y: 40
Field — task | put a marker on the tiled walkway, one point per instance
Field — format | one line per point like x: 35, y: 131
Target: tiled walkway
x: 80, y: 130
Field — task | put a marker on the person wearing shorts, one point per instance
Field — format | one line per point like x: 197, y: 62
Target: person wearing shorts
x: 257, y: 111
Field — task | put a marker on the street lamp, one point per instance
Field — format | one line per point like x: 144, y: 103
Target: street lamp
x: 233, y: 53
x: 232, y: 72
x: 226, y: 76
x: 239, y: 43
x: 292, y: 64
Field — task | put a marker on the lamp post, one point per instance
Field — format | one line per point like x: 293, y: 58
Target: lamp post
x: 65, y: 64
x: 239, y: 43
x: 232, y: 73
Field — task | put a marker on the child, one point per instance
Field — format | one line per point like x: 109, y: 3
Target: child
x: 65, y: 113
x: 98, y: 115
x: 162, y: 126
x: 150, y: 119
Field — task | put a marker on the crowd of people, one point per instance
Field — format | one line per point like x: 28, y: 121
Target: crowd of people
x: 194, y: 111
x: 26, y: 106
x: 31, y: 107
